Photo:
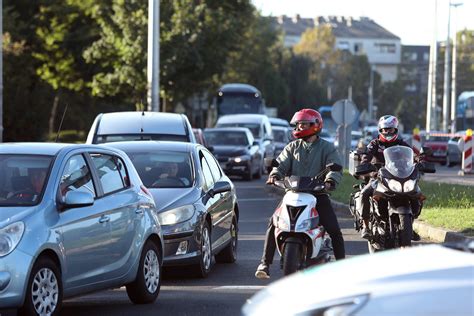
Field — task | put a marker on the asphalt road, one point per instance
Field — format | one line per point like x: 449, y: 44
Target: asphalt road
x: 449, y: 175
x: 228, y: 285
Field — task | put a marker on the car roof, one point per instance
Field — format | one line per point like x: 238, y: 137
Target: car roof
x: 141, y: 123
x: 279, y: 121
x: 238, y: 87
x: 227, y: 129
x: 50, y: 149
x: 153, y: 145
x: 242, y: 118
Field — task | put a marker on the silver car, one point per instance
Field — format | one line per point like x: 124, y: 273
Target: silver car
x: 196, y: 202
x: 74, y: 219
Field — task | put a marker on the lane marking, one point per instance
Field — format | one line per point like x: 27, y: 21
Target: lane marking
x: 239, y: 287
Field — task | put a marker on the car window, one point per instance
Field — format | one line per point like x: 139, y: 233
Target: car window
x: 163, y: 169
x: 213, y: 165
x: 23, y: 178
x: 108, y: 168
x: 76, y: 176
x: 121, y: 138
x: 206, y: 170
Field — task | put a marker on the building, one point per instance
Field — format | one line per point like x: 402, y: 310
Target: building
x: 359, y: 36
x: 414, y: 70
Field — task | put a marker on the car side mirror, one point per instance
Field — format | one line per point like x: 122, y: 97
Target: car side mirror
x: 255, y: 143
x: 77, y: 199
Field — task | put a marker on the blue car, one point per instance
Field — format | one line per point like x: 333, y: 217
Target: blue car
x: 196, y: 202
x: 74, y: 219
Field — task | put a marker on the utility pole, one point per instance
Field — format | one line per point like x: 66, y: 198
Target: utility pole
x: 453, y: 76
x: 1, y: 71
x: 446, y: 75
x: 431, y: 99
x: 153, y: 59
x: 371, y: 94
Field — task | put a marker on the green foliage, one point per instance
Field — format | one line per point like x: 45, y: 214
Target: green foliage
x: 461, y: 220
x: 68, y: 136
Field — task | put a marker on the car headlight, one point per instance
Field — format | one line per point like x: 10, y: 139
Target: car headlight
x: 308, y: 224
x: 281, y: 223
x: 394, y: 185
x: 177, y: 215
x: 10, y: 236
x: 241, y: 158
x: 409, y: 186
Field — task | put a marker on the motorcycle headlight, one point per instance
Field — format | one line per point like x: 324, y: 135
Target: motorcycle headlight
x: 308, y: 224
x: 10, y: 236
x: 241, y: 158
x: 177, y: 215
x: 281, y: 223
x: 394, y: 185
x: 409, y: 186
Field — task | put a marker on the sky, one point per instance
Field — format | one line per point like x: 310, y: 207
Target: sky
x: 411, y: 20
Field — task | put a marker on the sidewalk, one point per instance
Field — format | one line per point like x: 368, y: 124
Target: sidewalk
x: 424, y: 230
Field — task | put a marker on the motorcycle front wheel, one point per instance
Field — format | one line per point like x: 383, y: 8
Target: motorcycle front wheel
x: 291, y: 258
x: 405, y: 230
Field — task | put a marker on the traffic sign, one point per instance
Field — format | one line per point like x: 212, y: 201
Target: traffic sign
x: 344, y: 112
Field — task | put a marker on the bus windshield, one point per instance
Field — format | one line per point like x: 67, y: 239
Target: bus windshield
x: 236, y: 103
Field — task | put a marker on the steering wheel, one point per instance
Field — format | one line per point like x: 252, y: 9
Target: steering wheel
x: 168, y: 182
x: 22, y: 195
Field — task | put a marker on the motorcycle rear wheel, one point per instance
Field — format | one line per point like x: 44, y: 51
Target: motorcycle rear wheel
x: 291, y: 258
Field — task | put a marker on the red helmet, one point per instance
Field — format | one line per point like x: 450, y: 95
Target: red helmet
x: 307, y: 116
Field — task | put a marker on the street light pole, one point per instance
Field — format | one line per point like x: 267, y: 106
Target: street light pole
x: 446, y: 75
x: 371, y: 93
x: 153, y: 59
x: 431, y: 98
x: 1, y: 71
x: 453, y: 76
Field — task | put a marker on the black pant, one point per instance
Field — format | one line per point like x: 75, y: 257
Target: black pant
x: 327, y: 218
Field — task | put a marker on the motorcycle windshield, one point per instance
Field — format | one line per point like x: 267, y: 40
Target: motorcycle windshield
x: 300, y: 183
x: 399, y: 161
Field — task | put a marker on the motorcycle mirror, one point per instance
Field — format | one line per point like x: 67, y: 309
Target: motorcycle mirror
x: 427, y: 151
x: 334, y: 167
x: 364, y: 169
x: 427, y: 167
x: 270, y: 162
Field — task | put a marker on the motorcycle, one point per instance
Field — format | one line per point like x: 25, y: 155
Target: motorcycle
x: 301, y: 240
x: 391, y: 205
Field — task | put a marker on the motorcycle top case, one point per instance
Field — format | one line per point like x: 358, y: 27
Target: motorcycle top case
x: 354, y: 161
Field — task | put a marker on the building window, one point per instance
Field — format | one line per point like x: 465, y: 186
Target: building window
x: 357, y: 48
x: 386, y: 48
x: 426, y: 56
x: 343, y: 45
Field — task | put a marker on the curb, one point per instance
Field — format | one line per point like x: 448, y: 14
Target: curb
x: 424, y: 230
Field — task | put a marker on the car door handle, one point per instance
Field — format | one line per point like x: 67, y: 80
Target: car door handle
x: 104, y: 219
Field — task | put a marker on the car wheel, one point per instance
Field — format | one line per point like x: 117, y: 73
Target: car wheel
x: 449, y: 163
x: 146, y: 287
x: 44, y: 292
x: 229, y: 253
x: 203, y: 268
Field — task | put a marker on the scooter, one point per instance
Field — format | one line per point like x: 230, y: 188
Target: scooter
x: 396, y: 189
x: 301, y: 240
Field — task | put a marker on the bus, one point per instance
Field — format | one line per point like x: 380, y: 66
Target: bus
x: 236, y: 98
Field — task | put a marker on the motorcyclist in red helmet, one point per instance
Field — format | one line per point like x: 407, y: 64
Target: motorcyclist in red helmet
x: 306, y: 156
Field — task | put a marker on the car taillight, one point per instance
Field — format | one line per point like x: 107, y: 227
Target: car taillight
x: 146, y: 191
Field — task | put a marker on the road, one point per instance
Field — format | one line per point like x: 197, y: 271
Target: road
x: 228, y: 286
x: 449, y: 175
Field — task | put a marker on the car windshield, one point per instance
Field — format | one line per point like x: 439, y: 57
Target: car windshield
x: 23, y: 179
x: 399, y: 161
x: 254, y: 128
x: 228, y: 138
x: 435, y: 138
x: 123, y: 138
x: 163, y: 169
x: 231, y: 103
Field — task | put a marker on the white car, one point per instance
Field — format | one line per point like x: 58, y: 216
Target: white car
x: 423, y: 280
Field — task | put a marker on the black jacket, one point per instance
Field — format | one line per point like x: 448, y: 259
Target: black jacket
x: 375, y: 150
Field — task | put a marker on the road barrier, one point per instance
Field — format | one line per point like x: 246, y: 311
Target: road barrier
x: 468, y: 148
